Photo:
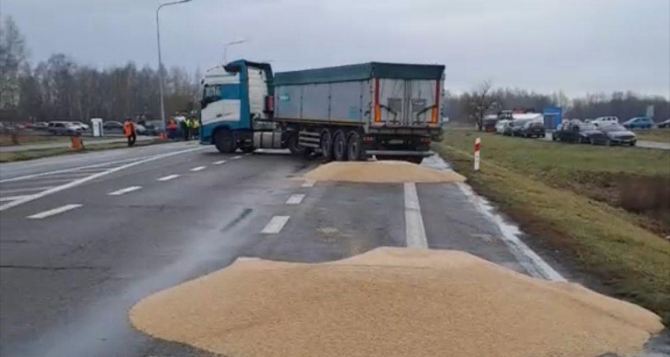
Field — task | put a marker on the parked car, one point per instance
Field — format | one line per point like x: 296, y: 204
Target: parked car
x: 40, y: 125
x: 639, y: 123
x: 664, y: 124
x: 80, y: 125
x: 516, y: 126
x: 63, y: 128
x: 112, y: 127
x: 533, y: 129
x: 606, y: 120
x: 618, y: 134
x: 577, y: 131
x: 501, y: 125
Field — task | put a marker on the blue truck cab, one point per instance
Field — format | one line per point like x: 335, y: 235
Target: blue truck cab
x: 234, y: 104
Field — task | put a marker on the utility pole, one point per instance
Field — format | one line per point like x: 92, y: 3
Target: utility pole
x: 160, y: 58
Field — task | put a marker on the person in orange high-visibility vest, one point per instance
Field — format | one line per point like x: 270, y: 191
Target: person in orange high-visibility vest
x: 129, y: 132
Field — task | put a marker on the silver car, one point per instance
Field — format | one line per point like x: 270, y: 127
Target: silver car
x: 617, y: 134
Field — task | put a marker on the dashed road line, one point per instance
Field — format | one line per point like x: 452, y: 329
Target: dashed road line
x: 123, y: 191
x: 415, y: 233
x: 168, y: 177
x: 198, y: 168
x: 275, y: 225
x: 82, y: 180
x: 295, y: 199
x: 308, y: 183
x: 219, y: 162
x: 236, y: 157
x: 55, y: 211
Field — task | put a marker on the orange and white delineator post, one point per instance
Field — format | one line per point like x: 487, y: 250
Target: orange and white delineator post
x: 478, y: 144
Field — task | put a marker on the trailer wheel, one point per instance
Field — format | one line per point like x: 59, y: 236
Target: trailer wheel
x: 326, y: 145
x: 340, y: 146
x: 224, y: 140
x: 355, y: 149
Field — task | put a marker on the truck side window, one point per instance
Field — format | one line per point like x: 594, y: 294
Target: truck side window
x: 210, y: 94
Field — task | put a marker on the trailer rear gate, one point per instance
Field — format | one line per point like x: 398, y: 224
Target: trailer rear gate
x: 382, y: 95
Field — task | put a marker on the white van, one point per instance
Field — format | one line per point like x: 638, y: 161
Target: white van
x: 605, y: 120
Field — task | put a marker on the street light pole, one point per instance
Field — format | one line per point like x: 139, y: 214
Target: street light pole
x: 225, y: 49
x: 160, y: 58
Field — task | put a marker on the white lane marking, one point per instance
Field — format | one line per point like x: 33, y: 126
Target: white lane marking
x: 11, y: 198
x: 533, y: 263
x: 55, y: 211
x: 415, y: 233
x: 275, y: 225
x: 219, y: 162
x: 25, y: 189
x: 198, y: 168
x: 295, y: 199
x: 93, y: 177
x: 168, y: 177
x: 123, y: 191
x: 74, y: 169
x: 236, y: 157
x: 308, y: 183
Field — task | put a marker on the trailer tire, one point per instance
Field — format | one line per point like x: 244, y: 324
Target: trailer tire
x: 326, y: 145
x: 355, y: 149
x: 340, y: 145
x: 224, y: 140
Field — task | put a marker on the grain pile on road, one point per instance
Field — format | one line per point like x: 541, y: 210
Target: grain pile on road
x: 380, y: 172
x: 391, y: 302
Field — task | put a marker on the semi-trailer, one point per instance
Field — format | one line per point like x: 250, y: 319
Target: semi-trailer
x: 389, y: 110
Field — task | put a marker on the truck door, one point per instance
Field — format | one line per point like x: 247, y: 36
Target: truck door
x: 409, y: 102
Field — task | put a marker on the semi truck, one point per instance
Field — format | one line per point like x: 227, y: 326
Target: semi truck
x: 389, y: 110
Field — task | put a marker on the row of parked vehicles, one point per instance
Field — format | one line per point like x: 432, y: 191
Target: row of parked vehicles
x: 600, y: 131
x: 149, y: 127
x: 525, y: 125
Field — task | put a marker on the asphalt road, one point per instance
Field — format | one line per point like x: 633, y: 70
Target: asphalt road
x: 84, y: 237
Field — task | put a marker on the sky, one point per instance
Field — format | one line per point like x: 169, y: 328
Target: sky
x: 576, y: 46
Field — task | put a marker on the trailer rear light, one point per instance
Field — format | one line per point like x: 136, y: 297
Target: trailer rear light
x: 368, y: 139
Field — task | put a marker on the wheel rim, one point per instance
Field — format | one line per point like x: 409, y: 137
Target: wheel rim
x: 339, y: 146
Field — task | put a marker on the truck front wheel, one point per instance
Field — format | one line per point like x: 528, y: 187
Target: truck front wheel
x: 355, y: 149
x: 224, y: 140
x: 326, y: 145
x: 340, y: 146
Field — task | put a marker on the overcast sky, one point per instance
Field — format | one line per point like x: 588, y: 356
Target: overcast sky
x: 577, y: 46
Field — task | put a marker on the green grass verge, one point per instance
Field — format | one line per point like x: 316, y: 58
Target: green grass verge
x: 528, y: 181
x: 41, y: 153
x: 661, y: 135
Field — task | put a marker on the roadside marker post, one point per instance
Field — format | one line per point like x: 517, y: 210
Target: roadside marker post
x: 478, y: 144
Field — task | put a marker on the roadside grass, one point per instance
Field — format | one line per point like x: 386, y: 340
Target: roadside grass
x: 660, y: 135
x: 42, y: 153
x: 527, y: 180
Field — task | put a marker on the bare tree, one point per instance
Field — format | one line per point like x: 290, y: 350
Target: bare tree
x: 12, y: 57
x: 481, y: 101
